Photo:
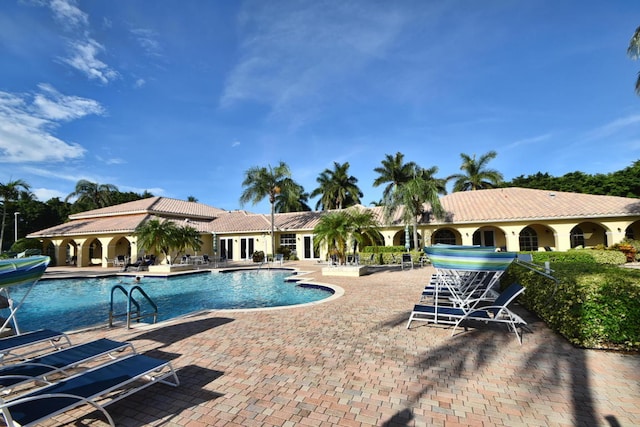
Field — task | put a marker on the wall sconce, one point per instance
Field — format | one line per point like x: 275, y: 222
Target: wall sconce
x: 513, y: 232
x: 619, y: 230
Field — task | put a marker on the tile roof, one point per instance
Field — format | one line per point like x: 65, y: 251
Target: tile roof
x: 240, y: 221
x: 161, y: 206
x: 530, y: 204
x: 503, y: 204
x: 114, y: 224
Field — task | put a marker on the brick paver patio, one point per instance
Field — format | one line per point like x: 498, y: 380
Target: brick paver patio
x: 352, y: 362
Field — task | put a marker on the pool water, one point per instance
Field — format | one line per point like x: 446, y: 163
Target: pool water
x: 68, y: 304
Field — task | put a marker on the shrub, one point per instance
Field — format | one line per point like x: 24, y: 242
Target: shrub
x: 258, y: 256
x: 387, y: 254
x: 285, y: 251
x: 592, y: 306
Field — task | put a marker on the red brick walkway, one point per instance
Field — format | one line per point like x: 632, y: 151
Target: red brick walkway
x: 352, y: 362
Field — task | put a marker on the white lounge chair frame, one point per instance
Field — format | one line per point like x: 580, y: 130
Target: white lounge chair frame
x: 498, y: 312
x: 59, y: 362
x: 22, y: 411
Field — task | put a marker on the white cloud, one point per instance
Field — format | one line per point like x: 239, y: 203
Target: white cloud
x: 528, y: 141
x: 139, y: 83
x: 25, y: 127
x: 44, y: 194
x: 293, y: 59
x: 84, y: 58
x: 52, y: 105
x: 614, y: 127
x: 148, y: 40
x: 235, y: 143
x: 67, y: 13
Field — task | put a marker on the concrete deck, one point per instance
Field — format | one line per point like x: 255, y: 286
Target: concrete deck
x: 352, y: 362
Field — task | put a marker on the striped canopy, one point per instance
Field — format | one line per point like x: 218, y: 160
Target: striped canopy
x: 470, y: 259
x: 16, y: 271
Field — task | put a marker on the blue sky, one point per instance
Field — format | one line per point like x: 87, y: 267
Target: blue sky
x: 181, y: 97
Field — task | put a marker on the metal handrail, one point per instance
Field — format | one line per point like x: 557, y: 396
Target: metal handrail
x: 132, y: 301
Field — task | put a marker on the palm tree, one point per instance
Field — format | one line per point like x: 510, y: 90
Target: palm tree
x: 338, y: 189
x: 634, y: 53
x: 292, y: 198
x: 476, y: 176
x: 260, y: 182
x: 364, y: 228
x: 10, y: 192
x: 423, y: 188
x: 91, y: 195
x: 336, y: 228
x: 333, y: 229
x: 393, y: 172
x: 187, y: 237
x: 157, y: 236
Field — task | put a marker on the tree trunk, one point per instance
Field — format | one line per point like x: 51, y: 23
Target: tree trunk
x: 416, y: 242
x: 4, y: 218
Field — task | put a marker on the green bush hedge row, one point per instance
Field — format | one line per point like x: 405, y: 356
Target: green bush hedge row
x: 387, y: 254
x: 594, y: 305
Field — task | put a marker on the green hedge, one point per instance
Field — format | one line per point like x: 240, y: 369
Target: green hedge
x: 384, y: 255
x: 594, y: 305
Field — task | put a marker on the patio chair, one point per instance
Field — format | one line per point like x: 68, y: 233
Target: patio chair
x: 98, y: 387
x: 20, y: 346
x: 370, y: 260
x: 407, y: 261
x: 58, y: 362
x: 279, y: 259
x: 120, y: 261
x: 496, y: 312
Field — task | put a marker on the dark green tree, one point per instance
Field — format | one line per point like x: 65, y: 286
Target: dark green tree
x: 261, y: 182
x: 634, y: 52
x: 9, y: 193
x: 90, y: 195
x: 394, y: 172
x: 292, y: 198
x: 336, y: 188
x: 476, y: 175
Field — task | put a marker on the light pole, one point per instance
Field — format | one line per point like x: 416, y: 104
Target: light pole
x: 15, y: 222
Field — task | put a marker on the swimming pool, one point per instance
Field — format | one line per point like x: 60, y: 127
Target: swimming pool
x: 68, y: 304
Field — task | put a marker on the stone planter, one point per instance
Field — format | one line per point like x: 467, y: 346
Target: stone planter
x: 345, y: 270
x: 167, y: 268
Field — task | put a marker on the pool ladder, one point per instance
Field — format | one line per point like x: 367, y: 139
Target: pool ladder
x: 132, y: 314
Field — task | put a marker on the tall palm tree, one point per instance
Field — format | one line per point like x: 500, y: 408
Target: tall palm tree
x: 261, y: 182
x: 157, y: 237
x: 10, y: 192
x: 423, y: 188
x: 476, y: 176
x: 393, y: 172
x: 634, y: 53
x: 91, y: 195
x: 292, y: 198
x: 337, y: 188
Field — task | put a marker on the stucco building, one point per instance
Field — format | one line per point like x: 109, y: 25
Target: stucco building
x: 514, y: 219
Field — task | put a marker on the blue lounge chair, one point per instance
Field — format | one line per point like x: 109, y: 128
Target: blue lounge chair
x: 58, y: 362
x: 30, y: 343
x: 110, y: 382
x: 496, y: 312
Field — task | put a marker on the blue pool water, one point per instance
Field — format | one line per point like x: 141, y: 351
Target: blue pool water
x: 68, y: 304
